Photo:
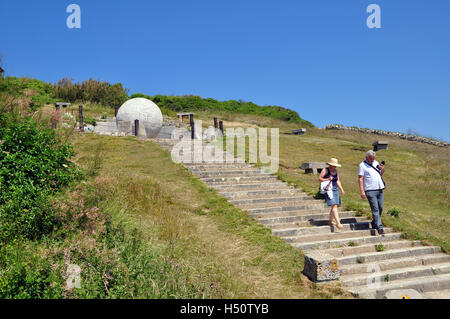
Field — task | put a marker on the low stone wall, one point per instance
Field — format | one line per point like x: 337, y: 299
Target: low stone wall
x: 408, y: 137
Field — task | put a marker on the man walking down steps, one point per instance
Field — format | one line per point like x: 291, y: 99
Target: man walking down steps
x: 371, y: 185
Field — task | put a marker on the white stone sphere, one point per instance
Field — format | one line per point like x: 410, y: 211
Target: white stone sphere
x: 148, y: 113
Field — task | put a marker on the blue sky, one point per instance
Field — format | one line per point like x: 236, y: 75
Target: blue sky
x: 316, y: 57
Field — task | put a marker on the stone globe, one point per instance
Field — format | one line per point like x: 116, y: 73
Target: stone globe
x: 142, y: 109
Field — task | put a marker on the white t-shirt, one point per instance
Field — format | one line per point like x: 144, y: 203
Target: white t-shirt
x: 372, y: 180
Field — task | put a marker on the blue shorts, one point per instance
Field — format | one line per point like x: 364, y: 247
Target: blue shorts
x: 336, y: 197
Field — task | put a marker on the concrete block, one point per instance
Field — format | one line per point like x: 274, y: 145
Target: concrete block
x: 321, y: 267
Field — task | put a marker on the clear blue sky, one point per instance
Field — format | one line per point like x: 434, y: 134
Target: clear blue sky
x: 316, y: 57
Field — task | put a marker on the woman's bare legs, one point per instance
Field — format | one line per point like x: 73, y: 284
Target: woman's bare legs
x: 332, y: 223
x: 335, y: 215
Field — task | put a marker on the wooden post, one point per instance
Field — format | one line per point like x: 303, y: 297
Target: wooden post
x: 215, y: 123
x: 80, y: 118
x: 136, y: 127
x: 191, y: 120
x: 221, y: 126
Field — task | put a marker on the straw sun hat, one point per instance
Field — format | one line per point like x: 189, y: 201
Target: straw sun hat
x: 334, y: 162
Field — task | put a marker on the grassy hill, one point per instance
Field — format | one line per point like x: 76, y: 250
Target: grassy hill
x: 417, y: 174
x: 141, y: 226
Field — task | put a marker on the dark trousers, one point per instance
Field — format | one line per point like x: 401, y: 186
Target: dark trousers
x: 376, y: 201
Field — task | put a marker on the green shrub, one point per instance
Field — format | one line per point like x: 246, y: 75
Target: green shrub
x: 25, y: 275
x: 33, y: 165
x: 379, y: 247
x: 394, y: 212
x: 93, y: 91
x: 197, y: 103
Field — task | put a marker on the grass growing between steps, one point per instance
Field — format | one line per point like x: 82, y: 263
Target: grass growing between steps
x: 211, y: 249
x: 417, y: 175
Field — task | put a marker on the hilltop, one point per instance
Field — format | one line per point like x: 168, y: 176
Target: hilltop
x: 141, y: 226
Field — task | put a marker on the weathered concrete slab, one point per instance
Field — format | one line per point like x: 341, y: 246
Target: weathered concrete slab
x: 321, y: 267
x: 313, y: 167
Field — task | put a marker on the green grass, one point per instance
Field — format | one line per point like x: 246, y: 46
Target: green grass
x: 417, y: 176
x: 185, y: 221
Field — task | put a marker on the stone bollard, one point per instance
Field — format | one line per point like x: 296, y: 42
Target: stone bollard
x: 321, y: 267
x: 136, y: 128
x: 80, y: 118
x: 191, y: 121
x: 221, y: 127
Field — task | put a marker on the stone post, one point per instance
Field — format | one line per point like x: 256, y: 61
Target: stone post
x: 191, y: 120
x: 221, y: 126
x: 80, y: 118
x: 136, y: 128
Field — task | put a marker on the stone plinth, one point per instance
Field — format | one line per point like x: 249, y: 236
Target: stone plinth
x: 380, y: 145
x: 321, y: 267
x: 313, y: 167
x: 300, y: 131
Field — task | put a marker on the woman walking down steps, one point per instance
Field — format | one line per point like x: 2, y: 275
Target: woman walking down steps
x: 330, y: 174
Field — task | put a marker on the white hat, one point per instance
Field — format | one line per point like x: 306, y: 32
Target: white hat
x: 334, y: 162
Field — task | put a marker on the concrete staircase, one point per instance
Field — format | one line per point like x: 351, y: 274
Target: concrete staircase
x: 302, y: 222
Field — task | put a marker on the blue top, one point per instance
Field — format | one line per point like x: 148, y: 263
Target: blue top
x: 335, y: 177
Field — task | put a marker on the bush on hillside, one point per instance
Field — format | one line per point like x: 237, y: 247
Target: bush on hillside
x: 93, y: 91
x: 197, y: 103
x: 40, y: 92
x: 33, y: 165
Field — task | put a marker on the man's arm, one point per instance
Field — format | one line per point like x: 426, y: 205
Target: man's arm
x: 361, y: 186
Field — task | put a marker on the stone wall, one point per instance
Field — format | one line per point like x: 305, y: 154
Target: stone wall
x: 404, y: 136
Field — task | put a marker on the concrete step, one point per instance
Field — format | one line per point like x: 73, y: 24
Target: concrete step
x: 283, y: 191
x: 301, y: 215
x: 217, y: 166
x: 284, y: 207
x: 371, y: 257
x: 441, y: 294
x: 393, y: 275
x: 251, y: 186
x: 369, y: 248
x: 247, y: 172
x: 341, y: 242
x: 238, y: 179
x: 300, y: 231
x: 421, y: 260
x: 225, y: 169
x: 350, y: 234
x: 421, y: 284
x: 313, y: 222
x: 271, y: 200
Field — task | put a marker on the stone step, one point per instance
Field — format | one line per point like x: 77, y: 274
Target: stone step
x: 252, y: 186
x: 284, y: 207
x: 300, y: 231
x: 341, y: 242
x: 270, y: 200
x: 421, y: 284
x: 368, y: 248
x: 231, y: 173
x: 300, y: 215
x: 229, y: 180
x: 371, y: 257
x: 435, y: 258
x: 313, y: 222
x: 334, y: 236
x: 226, y: 170
x: 263, y: 193
x: 217, y: 166
x: 393, y: 275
